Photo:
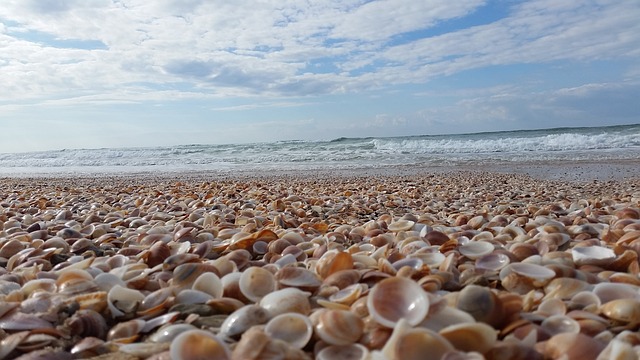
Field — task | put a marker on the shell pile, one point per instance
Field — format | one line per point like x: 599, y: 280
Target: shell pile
x: 438, y: 266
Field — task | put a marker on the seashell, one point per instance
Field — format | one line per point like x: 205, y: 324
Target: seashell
x: 225, y: 305
x: 482, y: 304
x: 296, y: 329
x: 191, y: 296
x: 592, y: 255
x: 476, y: 249
x: 492, y: 262
x: 242, y: 319
x: 467, y: 337
x: 445, y: 317
x: 333, y: 261
x: 339, y: 327
x: 413, y: 344
x: 401, y: 225
x: 286, y: 300
x: 349, y: 294
x: 256, y: 344
x: 121, y: 300
x: 343, y: 352
x: 624, y: 310
x: 185, y: 275
x: 17, y: 321
x: 198, y: 344
x: 126, y: 332
x: 9, y: 343
x: 613, y: 291
x: 584, y: 300
x: 143, y: 350
x: 572, y: 347
x: 167, y: 333
x: 301, y: 278
x: 342, y: 278
x: 557, y: 324
x: 209, y: 283
x: 88, y: 323
x: 397, y: 298
x: 618, y: 350
x: 565, y: 288
x: 256, y: 282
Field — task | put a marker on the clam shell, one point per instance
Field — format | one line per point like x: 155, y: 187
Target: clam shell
x: 198, y: 344
x: 557, y: 324
x: 492, y: 262
x: 478, y: 337
x: 256, y: 282
x: 625, y: 310
x: 406, y: 343
x: 286, y: 300
x: 209, y: 283
x: 476, y: 249
x: 296, y: 329
x: 397, y: 298
x: 343, y: 352
x: 242, y: 319
x: 592, y: 255
x: 339, y: 327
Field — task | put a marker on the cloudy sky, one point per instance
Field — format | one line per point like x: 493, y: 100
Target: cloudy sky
x: 113, y: 73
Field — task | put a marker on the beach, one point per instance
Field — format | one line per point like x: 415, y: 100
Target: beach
x: 531, y: 260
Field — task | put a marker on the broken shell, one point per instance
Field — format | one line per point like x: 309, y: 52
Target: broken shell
x: 397, y: 298
x: 592, y: 255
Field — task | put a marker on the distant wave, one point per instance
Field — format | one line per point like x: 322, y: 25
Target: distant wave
x: 611, y: 142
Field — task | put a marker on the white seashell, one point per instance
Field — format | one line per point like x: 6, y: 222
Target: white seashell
x: 121, y: 300
x: 106, y: 281
x: 557, y: 324
x: 446, y: 317
x: 286, y: 300
x: 492, y: 262
x: 531, y: 271
x: 476, y: 249
x: 613, y: 291
x: 344, y: 352
x: 168, y: 333
x: 296, y: 329
x: 191, y: 296
x: 396, y: 298
x: 242, y: 319
x: 209, y: 283
x: 592, y: 255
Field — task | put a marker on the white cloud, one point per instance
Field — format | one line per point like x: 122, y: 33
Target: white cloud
x: 293, y: 48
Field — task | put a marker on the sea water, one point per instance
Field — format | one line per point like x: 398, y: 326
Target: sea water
x: 548, y: 145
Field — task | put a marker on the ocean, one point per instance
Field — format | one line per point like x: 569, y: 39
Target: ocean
x: 548, y: 145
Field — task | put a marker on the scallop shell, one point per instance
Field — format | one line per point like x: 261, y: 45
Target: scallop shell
x: 397, y: 298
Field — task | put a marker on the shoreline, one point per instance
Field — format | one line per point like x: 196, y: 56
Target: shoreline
x: 574, y: 171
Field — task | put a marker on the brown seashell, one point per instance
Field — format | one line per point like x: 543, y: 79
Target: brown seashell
x: 333, y: 261
x: 339, y: 327
x: 623, y: 310
x: 397, y: 298
x: 199, y: 344
x: 481, y: 303
x: 572, y: 347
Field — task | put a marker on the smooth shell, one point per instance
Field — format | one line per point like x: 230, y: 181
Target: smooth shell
x: 294, y: 328
x: 198, y: 344
x: 397, y: 298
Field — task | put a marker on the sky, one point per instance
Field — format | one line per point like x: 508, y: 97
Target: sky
x: 122, y: 73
